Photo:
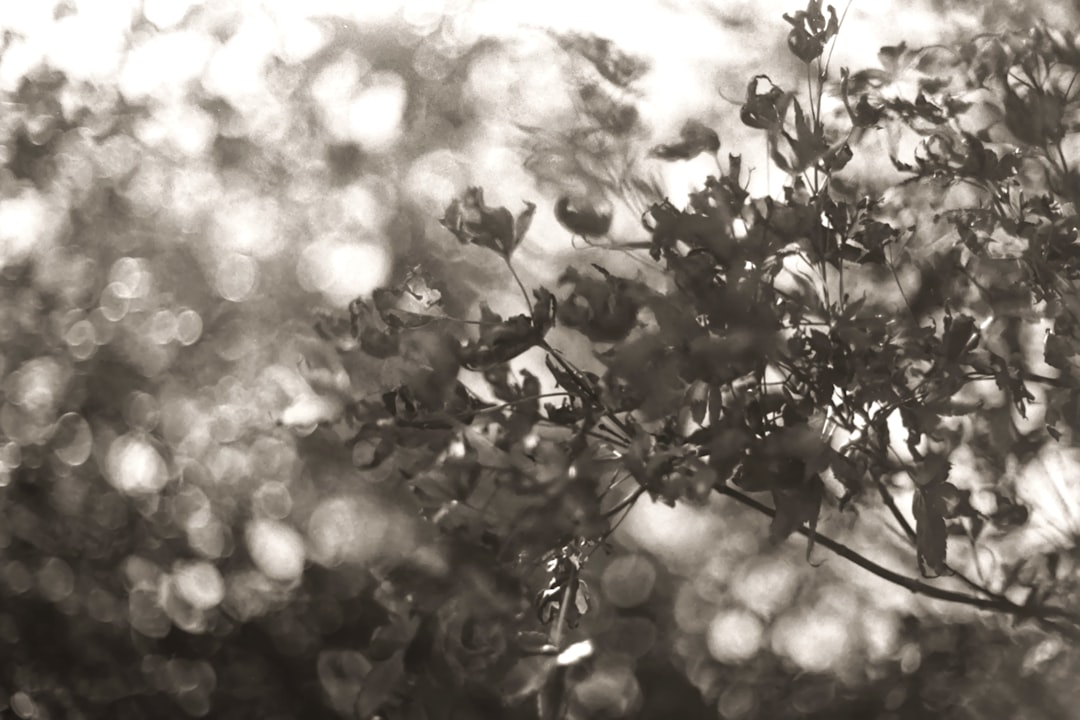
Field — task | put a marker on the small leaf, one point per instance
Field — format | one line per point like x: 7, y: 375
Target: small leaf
x: 930, y: 531
x: 582, y: 603
x: 850, y: 472
x: 1009, y: 513
x: 694, y: 139
x: 961, y: 335
x: 866, y: 115
x: 838, y: 156
x: 386, y: 303
x: 503, y: 340
x: 1035, y: 119
x: 605, y: 310
x: 565, y: 414
x: 617, y: 67
x: 471, y: 221
x: 380, y: 344
x: 809, y: 30
x: 807, y: 144
x: 697, y: 398
x: 935, y: 470
x: 803, y: 45
x: 522, y: 223
x: 763, y: 110
x: 890, y: 55
x: 583, y: 386
x: 582, y: 219
x: 711, y: 231
x: 499, y: 343
x: 796, y: 505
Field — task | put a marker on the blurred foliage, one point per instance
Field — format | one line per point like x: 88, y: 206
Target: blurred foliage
x: 265, y: 451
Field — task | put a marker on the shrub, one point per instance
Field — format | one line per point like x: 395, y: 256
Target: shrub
x: 839, y: 346
x: 194, y: 524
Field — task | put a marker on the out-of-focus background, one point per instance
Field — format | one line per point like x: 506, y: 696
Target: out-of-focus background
x: 186, y: 185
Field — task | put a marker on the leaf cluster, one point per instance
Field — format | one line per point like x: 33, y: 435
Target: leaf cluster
x: 766, y: 363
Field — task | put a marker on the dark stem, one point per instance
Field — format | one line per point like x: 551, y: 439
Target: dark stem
x: 593, y: 395
x: 625, y: 502
x: 521, y: 285
x: 890, y: 503
x: 568, y: 598
x: 520, y: 400
x: 1046, y: 614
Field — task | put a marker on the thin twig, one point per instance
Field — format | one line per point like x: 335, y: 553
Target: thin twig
x: 616, y: 478
x: 568, y: 597
x: 1003, y: 605
x: 839, y: 26
x: 611, y: 436
x: 593, y: 395
x: 890, y: 503
x: 591, y: 433
x: 518, y: 401
x: 900, y: 287
x: 625, y: 503
x: 624, y: 440
x: 524, y: 292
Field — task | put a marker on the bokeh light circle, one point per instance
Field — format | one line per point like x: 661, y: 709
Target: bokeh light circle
x: 276, y: 549
x: 342, y: 270
x: 817, y: 640
x: 735, y: 635
x: 200, y: 583
x: 273, y: 500
x: 189, y: 326
x: 628, y: 581
x: 55, y: 580
x: 81, y: 338
x: 135, y: 467
x: 347, y: 530
x: 236, y: 277
x: 72, y: 440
